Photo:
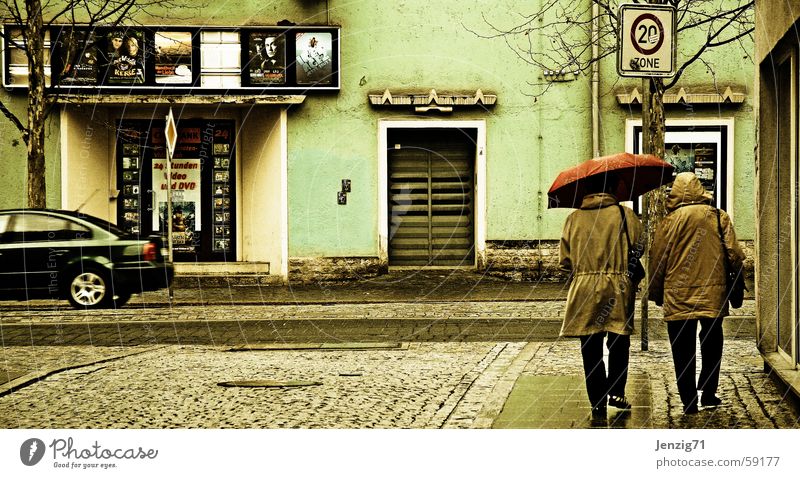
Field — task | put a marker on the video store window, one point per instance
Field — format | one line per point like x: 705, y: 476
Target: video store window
x: 202, y: 179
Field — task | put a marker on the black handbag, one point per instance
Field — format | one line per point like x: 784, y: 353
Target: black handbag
x: 734, y: 279
x: 635, y: 269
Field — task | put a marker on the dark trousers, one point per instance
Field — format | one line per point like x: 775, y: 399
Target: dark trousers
x: 599, y: 384
x: 682, y: 339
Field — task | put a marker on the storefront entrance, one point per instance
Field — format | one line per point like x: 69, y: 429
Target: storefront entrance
x: 203, y: 203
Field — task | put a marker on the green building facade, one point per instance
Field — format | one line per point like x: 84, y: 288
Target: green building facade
x: 426, y: 144
x: 777, y: 284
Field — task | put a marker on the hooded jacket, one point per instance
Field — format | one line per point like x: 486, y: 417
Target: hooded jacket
x: 594, y: 249
x: 687, y: 258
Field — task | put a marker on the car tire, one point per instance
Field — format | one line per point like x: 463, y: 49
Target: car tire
x: 90, y: 288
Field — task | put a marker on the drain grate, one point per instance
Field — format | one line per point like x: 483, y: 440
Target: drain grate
x: 323, y: 346
x: 269, y: 383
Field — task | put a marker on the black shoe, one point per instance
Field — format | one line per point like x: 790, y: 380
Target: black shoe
x: 691, y: 409
x: 710, y: 401
x: 619, y: 402
x: 599, y: 413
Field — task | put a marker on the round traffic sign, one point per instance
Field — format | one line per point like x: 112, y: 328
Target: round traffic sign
x: 647, y: 34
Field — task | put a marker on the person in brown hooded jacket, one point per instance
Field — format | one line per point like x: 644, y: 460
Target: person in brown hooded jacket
x: 594, y: 250
x: 688, y: 279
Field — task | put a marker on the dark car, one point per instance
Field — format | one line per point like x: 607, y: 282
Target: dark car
x: 65, y: 254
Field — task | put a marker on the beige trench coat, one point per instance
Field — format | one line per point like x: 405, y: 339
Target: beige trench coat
x: 687, y: 270
x: 594, y: 250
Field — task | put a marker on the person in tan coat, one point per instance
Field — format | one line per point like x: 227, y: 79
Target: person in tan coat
x: 687, y: 278
x: 600, y: 300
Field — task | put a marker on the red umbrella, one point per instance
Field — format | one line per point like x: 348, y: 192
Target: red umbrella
x: 638, y: 173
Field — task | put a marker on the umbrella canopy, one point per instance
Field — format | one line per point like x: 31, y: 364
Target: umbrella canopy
x: 637, y: 174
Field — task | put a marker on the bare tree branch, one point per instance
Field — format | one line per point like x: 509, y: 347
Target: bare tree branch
x: 35, y: 19
x: 557, y: 35
x: 14, y: 120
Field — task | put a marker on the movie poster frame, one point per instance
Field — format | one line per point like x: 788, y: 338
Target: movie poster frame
x: 149, y: 86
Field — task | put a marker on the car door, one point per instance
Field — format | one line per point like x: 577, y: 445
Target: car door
x: 40, y: 245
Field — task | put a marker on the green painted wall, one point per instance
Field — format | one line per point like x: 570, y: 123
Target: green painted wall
x: 417, y: 45
x: 13, y: 156
x: 528, y: 139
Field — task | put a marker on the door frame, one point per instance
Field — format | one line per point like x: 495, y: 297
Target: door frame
x: 480, y: 179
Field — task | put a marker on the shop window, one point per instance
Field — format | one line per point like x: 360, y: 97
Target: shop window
x: 203, y: 196
x: 701, y: 148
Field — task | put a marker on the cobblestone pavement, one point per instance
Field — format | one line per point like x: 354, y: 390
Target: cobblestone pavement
x: 414, y: 385
x: 226, y: 324
x: 553, y: 309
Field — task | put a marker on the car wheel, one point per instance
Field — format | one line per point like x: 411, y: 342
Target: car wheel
x: 89, y: 289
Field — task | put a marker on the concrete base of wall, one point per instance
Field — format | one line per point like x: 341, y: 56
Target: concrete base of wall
x: 538, y: 261
x: 215, y: 274
x: 523, y: 260
x: 785, y: 375
x: 518, y: 261
x: 330, y: 269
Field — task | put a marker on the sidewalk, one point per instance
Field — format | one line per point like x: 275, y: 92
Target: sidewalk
x: 534, y: 380
x: 405, y: 305
x: 396, y: 286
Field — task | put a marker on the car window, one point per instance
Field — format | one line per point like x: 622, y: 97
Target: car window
x: 105, y: 225
x: 3, y: 223
x: 39, y: 227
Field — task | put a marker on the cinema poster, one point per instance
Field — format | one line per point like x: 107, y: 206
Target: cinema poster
x: 173, y: 58
x: 125, y: 57
x: 77, y: 53
x: 185, y: 196
x: 266, y: 58
x: 314, y: 58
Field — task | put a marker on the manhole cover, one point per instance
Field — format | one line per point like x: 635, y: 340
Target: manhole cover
x: 321, y: 346
x: 269, y: 383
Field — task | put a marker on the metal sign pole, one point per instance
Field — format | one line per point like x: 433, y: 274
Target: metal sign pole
x: 169, y: 214
x: 170, y: 136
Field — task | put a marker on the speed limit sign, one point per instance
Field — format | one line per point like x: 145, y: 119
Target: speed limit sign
x: 647, y: 40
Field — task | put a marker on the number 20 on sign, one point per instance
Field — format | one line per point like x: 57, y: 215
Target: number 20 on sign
x: 647, y: 40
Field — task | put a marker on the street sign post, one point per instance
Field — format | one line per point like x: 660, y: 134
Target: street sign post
x: 647, y: 40
x: 171, y: 136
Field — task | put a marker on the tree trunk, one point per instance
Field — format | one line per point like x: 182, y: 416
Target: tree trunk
x: 654, y: 202
x: 34, y: 34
